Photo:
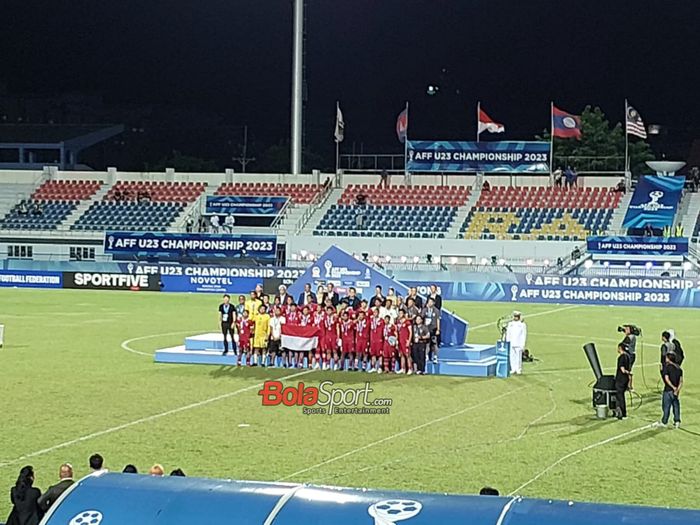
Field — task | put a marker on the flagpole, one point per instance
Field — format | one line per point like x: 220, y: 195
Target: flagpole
x: 337, y: 144
x: 405, y: 147
x: 551, y: 137
x: 478, y: 113
x: 627, y: 144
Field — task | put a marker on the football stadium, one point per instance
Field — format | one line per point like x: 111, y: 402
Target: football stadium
x: 489, y: 331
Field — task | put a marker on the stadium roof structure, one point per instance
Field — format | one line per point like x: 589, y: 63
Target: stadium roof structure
x: 39, y: 145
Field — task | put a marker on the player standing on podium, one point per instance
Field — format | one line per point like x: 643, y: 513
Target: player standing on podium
x: 516, y: 335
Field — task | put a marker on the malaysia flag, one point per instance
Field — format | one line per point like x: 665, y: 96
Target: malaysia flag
x: 486, y: 123
x: 565, y: 125
x: 402, y: 125
x: 299, y: 338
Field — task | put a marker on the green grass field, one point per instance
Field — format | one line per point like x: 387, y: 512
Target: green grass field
x: 70, y: 388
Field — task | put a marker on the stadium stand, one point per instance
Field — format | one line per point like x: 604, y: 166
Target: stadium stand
x: 298, y: 193
x: 160, y: 204
x: 49, y: 205
x: 540, y: 213
x: 397, y: 211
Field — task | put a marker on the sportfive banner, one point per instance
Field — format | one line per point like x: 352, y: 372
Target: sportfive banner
x: 489, y: 157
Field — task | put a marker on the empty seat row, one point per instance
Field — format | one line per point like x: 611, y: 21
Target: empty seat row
x: 135, y: 216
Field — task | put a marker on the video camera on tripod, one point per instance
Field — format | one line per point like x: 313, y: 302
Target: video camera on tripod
x: 634, y: 330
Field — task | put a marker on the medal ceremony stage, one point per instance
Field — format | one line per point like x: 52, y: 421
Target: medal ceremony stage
x: 455, y: 358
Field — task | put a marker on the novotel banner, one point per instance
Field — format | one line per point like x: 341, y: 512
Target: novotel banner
x: 191, y: 244
x: 488, y: 157
x: 610, y: 245
x: 597, y: 290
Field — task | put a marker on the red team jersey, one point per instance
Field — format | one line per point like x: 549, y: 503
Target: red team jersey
x: 389, y: 349
x: 330, y: 332
x: 292, y: 318
x: 305, y: 320
x: 245, y: 330
x: 361, y: 335
x: 347, y: 334
x: 376, y: 336
x: 404, y: 335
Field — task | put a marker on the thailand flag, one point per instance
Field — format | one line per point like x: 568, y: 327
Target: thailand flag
x: 565, y: 125
x: 486, y: 123
x: 402, y: 125
x: 299, y: 338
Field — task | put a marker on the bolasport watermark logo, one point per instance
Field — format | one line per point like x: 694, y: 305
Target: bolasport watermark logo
x: 325, y: 399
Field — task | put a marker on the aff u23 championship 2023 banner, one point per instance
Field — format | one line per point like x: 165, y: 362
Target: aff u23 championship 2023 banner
x: 655, y: 201
x: 487, y: 157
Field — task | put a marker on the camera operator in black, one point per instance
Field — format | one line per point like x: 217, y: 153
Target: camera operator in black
x: 622, y: 380
x: 630, y: 342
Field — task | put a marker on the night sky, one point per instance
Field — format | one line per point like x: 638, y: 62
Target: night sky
x: 233, y: 57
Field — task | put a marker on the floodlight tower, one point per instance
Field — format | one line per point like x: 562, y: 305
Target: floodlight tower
x: 297, y: 86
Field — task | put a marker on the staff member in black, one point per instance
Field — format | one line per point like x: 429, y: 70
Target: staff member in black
x: 227, y: 315
x: 421, y: 337
x: 622, y: 380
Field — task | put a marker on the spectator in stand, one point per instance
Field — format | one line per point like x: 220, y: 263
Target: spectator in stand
x: 694, y: 178
x: 384, y: 179
x: 486, y: 186
x: 36, y: 209
x: 65, y: 475
x: 560, y: 263
x: 156, y: 470
x: 359, y: 219
x: 130, y: 469
x: 189, y: 225
x: 229, y: 223
x: 352, y: 300
x: 214, y: 225
x: 360, y: 199
x: 557, y: 177
x: 621, y: 186
x: 648, y: 230
x: 378, y: 295
x: 22, y: 208
x: 571, y: 177
x: 307, y: 296
x: 24, y: 497
x: 97, y: 463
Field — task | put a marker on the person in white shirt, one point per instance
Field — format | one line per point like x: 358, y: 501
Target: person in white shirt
x: 274, y: 346
x: 229, y: 223
x: 214, y: 224
x: 516, y: 335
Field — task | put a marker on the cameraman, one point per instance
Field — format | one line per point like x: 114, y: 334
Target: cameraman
x: 630, y: 342
x: 622, y: 380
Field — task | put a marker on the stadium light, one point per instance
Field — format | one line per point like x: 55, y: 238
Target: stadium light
x: 648, y: 265
x: 502, y: 262
x: 303, y: 254
x: 546, y: 262
x: 375, y: 258
x: 529, y: 262
x: 388, y: 258
x: 311, y: 257
x: 628, y: 264
x: 606, y: 263
x: 416, y: 259
x: 469, y: 260
x: 453, y: 260
x: 588, y: 263
x: 667, y: 265
x: 484, y: 261
x: 404, y: 259
x: 687, y: 265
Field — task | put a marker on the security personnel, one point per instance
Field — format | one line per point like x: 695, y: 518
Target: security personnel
x: 622, y: 380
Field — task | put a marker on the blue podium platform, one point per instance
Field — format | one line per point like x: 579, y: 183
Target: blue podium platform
x: 206, y: 349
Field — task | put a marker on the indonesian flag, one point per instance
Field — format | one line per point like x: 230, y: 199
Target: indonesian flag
x: 299, y: 338
x: 486, y: 123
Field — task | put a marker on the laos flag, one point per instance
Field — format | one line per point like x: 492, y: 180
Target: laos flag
x: 565, y: 125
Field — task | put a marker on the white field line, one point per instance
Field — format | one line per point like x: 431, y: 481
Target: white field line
x: 577, y: 452
x: 526, y: 317
x: 399, y: 434
x: 139, y: 421
x: 125, y: 344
